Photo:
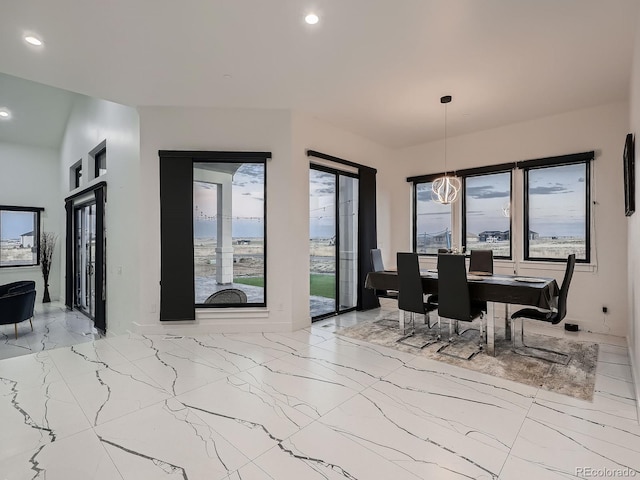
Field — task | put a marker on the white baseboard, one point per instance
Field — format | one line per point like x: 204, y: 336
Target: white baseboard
x: 204, y: 327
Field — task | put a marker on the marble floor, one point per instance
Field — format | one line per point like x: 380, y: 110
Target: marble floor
x: 301, y: 405
x: 53, y: 327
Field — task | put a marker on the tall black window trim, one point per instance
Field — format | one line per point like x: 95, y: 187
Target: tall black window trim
x: 35, y: 234
x: 586, y: 160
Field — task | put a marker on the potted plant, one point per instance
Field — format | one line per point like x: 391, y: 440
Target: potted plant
x: 47, y: 245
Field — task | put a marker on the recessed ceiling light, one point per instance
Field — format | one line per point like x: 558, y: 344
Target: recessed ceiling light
x: 31, y: 40
x: 4, y: 113
x: 312, y: 19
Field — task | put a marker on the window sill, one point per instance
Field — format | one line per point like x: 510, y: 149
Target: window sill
x: 19, y: 267
x: 556, y: 266
x: 525, y: 265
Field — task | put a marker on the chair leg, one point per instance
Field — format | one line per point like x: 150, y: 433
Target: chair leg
x: 15, y: 327
x: 529, y: 351
x: 411, y: 333
x: 31, y: 323
x: 453, y: 327
x: 427, y: 320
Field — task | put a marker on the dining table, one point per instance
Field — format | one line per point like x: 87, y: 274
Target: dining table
x: 540, y: 292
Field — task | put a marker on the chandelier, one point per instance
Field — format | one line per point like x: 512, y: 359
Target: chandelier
x: 445, y: 189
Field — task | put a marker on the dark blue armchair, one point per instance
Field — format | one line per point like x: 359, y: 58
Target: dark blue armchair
x: 17, y: 301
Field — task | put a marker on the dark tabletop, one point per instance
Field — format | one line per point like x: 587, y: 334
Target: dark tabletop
x: 496, y: 288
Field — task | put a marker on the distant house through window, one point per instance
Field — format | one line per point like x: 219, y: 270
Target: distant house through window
x: 19, y: 236
x: 487, y: 213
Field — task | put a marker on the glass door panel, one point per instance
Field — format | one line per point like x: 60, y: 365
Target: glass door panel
x: 348, y: 242
x: 333, y: 233
x: 322, y: 235
x: 85, y: 258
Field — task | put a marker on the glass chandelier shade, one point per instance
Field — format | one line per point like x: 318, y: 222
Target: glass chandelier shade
x: 445, y: 189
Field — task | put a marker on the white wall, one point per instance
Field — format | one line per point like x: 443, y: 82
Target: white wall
x: 633, y: 335
x: 287, y: 135
x: 602, y: 129
x: 166, y: 128
x: 313, y: 134
x: 91, y: 122
x: 28, y: 179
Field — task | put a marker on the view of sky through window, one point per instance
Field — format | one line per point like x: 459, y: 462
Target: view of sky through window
x: 322, y: 208
x: 557, y: 201
x: 247, y: 204
x: 15, y: 224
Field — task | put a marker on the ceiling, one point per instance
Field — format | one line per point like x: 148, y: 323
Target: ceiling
x: 374, y: 67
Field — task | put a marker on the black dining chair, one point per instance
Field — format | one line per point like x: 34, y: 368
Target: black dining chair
x: 454, y: 301
x: 411, y: 296
x: 377, y: 265
x: 481, y: 261
x: 550, y: 316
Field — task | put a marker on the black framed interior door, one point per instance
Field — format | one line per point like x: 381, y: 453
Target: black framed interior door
x: 85, y: 283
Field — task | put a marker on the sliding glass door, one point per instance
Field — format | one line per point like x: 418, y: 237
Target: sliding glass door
x: 333, y: 233
x: 85, y: 259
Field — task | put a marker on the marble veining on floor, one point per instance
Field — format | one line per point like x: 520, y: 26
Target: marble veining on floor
x: 53, y: 326
x: 301, y: 405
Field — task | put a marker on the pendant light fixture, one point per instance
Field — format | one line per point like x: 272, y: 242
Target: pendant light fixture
x: 445, y: 189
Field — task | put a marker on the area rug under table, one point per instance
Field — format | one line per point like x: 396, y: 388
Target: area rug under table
x: 576, y: 379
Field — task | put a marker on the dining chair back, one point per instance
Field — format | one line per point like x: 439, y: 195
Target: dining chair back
x: 376, y: 260
x: 411, y: 297
x: 453, y: 292
x: 481, y: 261
x: 378, y: 266
x: 564, y: 289
x: 454, y: 301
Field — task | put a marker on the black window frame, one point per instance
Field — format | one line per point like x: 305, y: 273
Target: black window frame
x: 584, y: 157
x: 587, y: 185
x: 240, y: 158
x: 37, y: 211
x: 415, y: 182
x: 483, y: 172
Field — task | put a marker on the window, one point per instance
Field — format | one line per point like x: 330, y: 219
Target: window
x: 19, y: 236
x: 487, y: 213
x: 432, y: 222
x: 77, y: 175
x: 557, y: 212
x: 229, y: 233
x: 100, y: 162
